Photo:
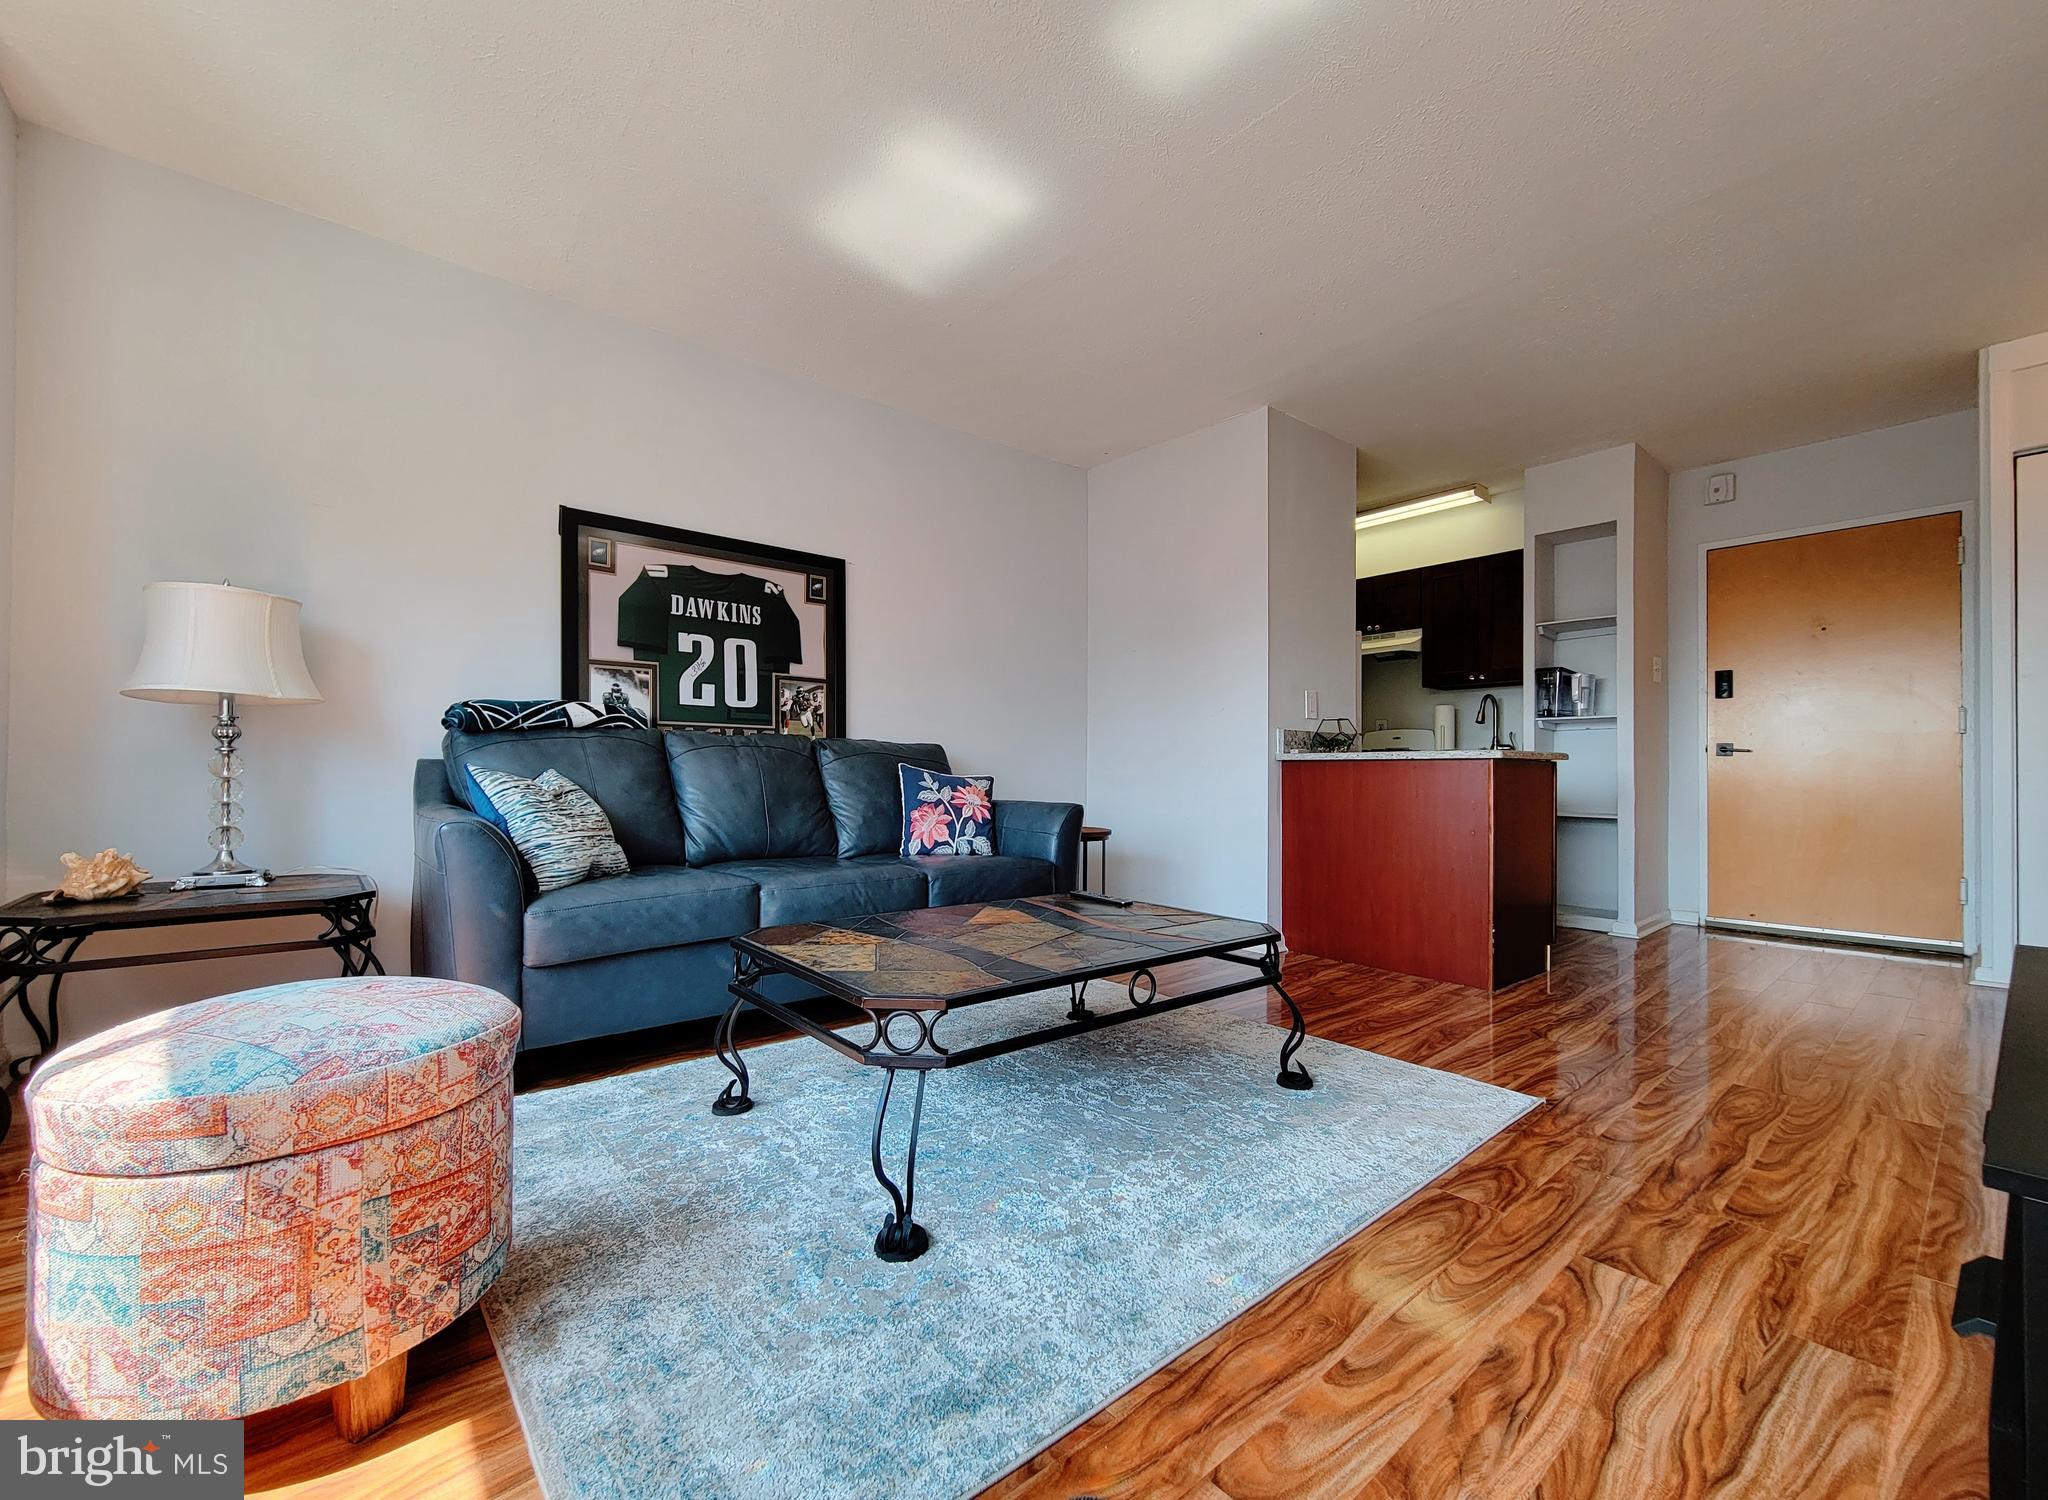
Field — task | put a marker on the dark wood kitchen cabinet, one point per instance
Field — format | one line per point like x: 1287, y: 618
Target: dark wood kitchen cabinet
x: 1472, y: 623
x: 1390, y: 602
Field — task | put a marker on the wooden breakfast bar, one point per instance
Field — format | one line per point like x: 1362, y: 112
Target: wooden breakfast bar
x: 1438, y: 863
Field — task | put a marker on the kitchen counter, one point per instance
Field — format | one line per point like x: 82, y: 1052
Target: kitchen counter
x: 1418, y: 755
x: 1447, y: 871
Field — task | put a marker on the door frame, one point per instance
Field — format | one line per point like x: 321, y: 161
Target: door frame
x: 2011, y: 679
x: 1705, y: 698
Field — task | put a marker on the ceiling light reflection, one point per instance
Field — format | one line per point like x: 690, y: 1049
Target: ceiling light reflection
x: 1173, y: 45
x: 932, y: 205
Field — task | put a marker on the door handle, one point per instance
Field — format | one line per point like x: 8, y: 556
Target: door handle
x: 1726, y: 747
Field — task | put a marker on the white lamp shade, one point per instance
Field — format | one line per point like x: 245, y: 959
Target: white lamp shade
x: 201, y: 641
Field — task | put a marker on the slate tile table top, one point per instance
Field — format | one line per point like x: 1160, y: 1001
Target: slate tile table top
x: 957, y: 955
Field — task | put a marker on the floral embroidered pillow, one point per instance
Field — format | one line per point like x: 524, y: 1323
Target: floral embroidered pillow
x: 946, y: 814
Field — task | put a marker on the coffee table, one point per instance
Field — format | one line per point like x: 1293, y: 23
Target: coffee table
x: 906, y: 970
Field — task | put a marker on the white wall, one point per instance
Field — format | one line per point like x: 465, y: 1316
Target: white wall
x: 1312, y: 614
x: 224, y: 387
x: 1446, y: 536
x: 1178, y: 744
x: 1917, y: 466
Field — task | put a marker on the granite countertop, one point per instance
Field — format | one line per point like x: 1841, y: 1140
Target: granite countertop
x: 1419, y: 755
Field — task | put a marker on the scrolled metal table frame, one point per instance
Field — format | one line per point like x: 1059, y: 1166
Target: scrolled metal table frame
x: 32, y: 949
x: 903, y: 1039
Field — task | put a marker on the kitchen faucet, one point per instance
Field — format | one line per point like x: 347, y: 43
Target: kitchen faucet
x: 1494, y: 743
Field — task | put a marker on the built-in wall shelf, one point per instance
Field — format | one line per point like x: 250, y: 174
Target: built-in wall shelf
x: 1559, y: 630
x: 1595, y: 555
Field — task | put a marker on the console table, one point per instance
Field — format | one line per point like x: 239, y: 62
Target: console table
x: 2008, y: 1296
x: 41, y: 941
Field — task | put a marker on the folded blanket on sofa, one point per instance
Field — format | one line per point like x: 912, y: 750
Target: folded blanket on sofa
x: 482, y: 715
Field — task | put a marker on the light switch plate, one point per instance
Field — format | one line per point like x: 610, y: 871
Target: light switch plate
x: 1311, y: 704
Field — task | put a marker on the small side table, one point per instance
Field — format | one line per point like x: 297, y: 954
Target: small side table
x: 1099, y: 837
x: 41, y: 941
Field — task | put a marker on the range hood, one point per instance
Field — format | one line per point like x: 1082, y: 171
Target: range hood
x: 1395, y: 645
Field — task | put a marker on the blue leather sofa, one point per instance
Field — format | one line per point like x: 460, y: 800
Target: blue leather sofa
x: 725, y: 833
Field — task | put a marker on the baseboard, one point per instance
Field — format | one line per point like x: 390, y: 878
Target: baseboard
x: 1651, y: 924
x: 1585, y: 924
x: 1684, y: 918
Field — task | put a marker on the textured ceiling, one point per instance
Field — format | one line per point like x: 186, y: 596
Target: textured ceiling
x: 1467, y: 235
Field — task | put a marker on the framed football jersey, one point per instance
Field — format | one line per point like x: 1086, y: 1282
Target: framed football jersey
x: 700, y: 631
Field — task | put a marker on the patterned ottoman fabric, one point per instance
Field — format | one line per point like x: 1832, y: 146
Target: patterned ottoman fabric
x: 159, y: 1291
x: 268, y: 1073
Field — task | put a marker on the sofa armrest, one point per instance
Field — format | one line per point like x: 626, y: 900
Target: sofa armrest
x: 468, y: 891
x: 1042, y: 830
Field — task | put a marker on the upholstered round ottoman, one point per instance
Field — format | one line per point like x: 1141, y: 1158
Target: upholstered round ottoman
x: 249, y: 1199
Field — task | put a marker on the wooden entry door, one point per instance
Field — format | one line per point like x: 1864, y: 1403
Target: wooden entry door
x: 1835, y: 758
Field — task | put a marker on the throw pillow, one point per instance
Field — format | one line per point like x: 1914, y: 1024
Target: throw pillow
x: 563, y: 835
x: 946, y: 814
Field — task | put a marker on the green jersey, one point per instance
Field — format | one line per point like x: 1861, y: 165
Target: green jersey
x: 716, y: 640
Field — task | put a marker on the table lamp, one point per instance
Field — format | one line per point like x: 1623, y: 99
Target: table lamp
x: 212, y: 643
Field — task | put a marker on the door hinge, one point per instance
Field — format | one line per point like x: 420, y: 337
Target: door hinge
x: 1961, y: 545
x: 1964, y: 896
x: 1963, y: 720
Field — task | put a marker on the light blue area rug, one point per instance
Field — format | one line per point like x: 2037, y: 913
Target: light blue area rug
x: 693, y: 1307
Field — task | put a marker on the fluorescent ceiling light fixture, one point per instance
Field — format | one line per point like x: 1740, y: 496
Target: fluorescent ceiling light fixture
x: 1170, y: 46
x: 1428, y: 505
x: 932, y: 205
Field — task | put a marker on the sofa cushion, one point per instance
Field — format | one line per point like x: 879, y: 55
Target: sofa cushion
x: 659, y: 906
x: 999, y: 877
x: 829, y: 890
x: 865, y: 792
x: 753, y: 796
x: 624, y: 770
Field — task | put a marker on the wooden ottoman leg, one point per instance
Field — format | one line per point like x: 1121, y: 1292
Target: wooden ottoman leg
x: 372, y: 1402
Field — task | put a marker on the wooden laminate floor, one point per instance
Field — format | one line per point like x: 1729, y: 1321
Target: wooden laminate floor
x: 1718, y: 1261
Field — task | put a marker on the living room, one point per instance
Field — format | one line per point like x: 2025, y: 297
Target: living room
x: 1561, y: 1116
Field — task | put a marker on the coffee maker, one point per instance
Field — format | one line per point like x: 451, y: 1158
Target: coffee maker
x: 1562, y: 693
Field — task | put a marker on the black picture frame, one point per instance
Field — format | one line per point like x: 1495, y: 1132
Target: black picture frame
x: 577, y: 526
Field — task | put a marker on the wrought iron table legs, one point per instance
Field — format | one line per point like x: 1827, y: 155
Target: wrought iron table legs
x: 348, y: 933
x: 902, y: 1041
x: 30, y: 954
x: 902, y: 1237
x: 735, y: 1100
x: 1292, y: 1074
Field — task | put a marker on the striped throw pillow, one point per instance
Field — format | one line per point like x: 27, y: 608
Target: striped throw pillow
x: 558, y: 830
